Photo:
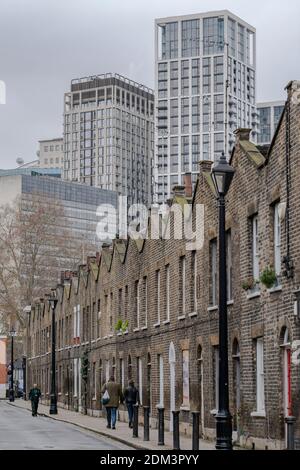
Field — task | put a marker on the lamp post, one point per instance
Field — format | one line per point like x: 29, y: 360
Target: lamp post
x: 12, y: 334
x: 27, y: 312
x: 222, y: 174
x: 53, y: 398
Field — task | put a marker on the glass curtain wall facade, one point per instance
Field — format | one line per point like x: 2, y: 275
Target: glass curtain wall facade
x: 195, y: 56
x: 269, y: 115
x: 109, y: 135
x: 79, y: 205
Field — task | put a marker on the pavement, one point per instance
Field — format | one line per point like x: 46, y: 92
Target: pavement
x: 122, y: 435
x: 20, y: 431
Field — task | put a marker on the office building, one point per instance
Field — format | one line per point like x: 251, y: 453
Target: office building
x: 109, y: 135
x: 51, y: 153
x: 201, y: 97
x: 79, y: 203
x: 269, y: 114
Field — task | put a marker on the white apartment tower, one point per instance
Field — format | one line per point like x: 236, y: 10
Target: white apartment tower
x: 109, y: 135
x: 205, y: 90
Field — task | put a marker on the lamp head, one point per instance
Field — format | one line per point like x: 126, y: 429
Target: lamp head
x: 52, y: 299
x: 222, y: 174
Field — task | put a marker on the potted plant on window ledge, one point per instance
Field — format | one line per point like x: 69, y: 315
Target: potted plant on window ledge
x: 268, y: 277
x: 121, y: 326
x: 250, y: 285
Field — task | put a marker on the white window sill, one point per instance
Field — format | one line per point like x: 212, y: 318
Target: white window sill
x: 213, y: 309
x: 258, y: 414
x: 213, y: 412
x: 156, y: 325
x: 275, y: 289
x: 94, y: 399
x: 135, y: 330
x: 105, y: 337
x: 185, y: 408
x: 230, y: 302
x: 119, y: 333
x: 254, y: 295
x: 144, y: 328
x: 110, y: 336
x: 166, y: 322
x: 181, y: 318
x: 93, y: 341
x: 193, y: 314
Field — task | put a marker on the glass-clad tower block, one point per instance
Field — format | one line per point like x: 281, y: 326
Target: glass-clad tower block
x: 109, y: 135
x: 205, y: 90
x: 269, y: 114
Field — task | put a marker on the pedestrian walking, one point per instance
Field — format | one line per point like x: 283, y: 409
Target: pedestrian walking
x: 132, y: 397
x: 111, y: 398
x: 34, y: 396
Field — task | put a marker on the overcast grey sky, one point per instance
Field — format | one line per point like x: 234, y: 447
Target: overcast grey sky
x: 46, y: 43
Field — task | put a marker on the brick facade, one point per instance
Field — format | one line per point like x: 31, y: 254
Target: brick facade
x: 131, y: 277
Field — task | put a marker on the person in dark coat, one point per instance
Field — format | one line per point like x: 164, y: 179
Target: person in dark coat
x: 132, y: 397
x: 115, y: 398
x: 34, y: 396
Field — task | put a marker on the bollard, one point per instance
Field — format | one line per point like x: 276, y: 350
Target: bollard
x: 161, y: 427
x: 196, y: 420
x: 135, y: 429
x: 253, y: 445
x: 146, y: 423
x: 176, y: 439
x: 290, y: 421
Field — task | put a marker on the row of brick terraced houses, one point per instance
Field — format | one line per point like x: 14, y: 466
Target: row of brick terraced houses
x: 169, y: 296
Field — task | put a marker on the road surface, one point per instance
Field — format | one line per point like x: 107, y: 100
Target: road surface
x: 19, y: 430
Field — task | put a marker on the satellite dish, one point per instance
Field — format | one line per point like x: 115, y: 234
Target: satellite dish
x: 20, y: 161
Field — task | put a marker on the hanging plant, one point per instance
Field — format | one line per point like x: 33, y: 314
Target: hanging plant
x: 268, y: 277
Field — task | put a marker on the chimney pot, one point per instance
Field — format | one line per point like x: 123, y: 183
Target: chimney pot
x: 205, y: 166
x: 179, y: 190
x: 243, y: 134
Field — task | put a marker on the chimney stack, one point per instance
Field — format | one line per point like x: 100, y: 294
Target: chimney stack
x: 188, y: 185
x: 242, y: 134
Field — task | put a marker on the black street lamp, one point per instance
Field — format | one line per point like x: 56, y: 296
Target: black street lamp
x: 53, y: 398
x: 222, y: 174
x: 12, y: 334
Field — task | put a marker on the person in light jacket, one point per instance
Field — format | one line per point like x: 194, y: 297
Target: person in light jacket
x: 114, y: 390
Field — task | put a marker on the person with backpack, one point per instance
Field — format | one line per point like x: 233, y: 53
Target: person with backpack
x: 132, y: 397
x: 111, y: 398
x: 34, y: 397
